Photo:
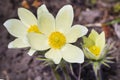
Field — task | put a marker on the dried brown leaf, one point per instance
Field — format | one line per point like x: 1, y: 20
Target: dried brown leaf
x: 36, y: 3
x: 25, y: 4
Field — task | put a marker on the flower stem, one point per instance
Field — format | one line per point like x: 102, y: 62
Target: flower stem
x: 79, y: 75
x: 56, y: 74
x: 98, y: 75
x: 97, y: 71
x: 65, y: 71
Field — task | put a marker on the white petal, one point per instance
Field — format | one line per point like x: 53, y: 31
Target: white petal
x: 55, y: 55
x: 15, y: 28
x: 38, y: 41
x: 18, y: 43
x: 46, y: 23
x: 64, y: 18
x: 31, y: 52
x: 100, y: 40
x: 27, y: 17
x: 41, y: 10
x: 88, y: 54
x: 72, y: 54
x: 93, y: 35
x: 76, y: 32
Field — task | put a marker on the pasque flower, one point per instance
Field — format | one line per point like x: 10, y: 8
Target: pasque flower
x: 96, y: 51
x: 20, y: 28
x: 57, y: 34
x: 94, y: 45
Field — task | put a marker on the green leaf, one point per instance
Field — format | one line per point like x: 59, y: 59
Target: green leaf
x: 93, y: 2
x: 109, y: 61
x: 106, y: 64
x: 42, y: 59
x: 113, y: 21
x: 109, y: 58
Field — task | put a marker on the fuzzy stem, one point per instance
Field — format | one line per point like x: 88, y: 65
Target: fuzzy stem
x: 65, y: 71
x: 98, y: 75
x: 97, y: 71
x: 66, y: 74
x: 79, y: 75
x: 56, y: 74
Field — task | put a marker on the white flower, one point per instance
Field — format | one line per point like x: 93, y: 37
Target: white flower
x: 20, y: 28
x: 94, y: 45
x: 57, y: 35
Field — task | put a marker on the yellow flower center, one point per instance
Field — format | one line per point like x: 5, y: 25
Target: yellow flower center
x: 34, y: 28
x: 95, y: 50
x: 57, y: 40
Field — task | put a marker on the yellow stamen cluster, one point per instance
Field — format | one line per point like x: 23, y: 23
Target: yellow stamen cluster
x: 57, y: 40
x: 95, y: 50
x: 34, y: 28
